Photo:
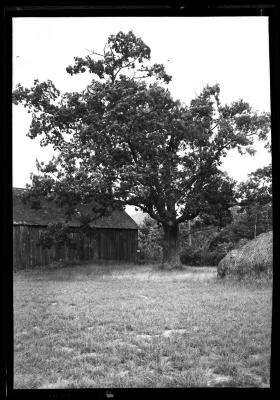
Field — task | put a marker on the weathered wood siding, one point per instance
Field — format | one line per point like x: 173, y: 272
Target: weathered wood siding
x: 107, y: 244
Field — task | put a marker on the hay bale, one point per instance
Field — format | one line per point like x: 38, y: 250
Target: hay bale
x: 254, y: 257
x: 226, y: 263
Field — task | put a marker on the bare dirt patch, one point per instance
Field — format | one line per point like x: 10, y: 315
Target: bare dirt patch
x: 170, y: 332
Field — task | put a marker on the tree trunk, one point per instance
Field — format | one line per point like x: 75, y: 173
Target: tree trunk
x: 171, y: 256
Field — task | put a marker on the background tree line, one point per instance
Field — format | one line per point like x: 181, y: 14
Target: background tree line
x: 245, y: 213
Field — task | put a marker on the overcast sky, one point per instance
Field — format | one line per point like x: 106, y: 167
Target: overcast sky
x: 231, y: 51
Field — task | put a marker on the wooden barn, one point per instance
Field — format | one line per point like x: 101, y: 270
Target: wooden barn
x: 113, y: 237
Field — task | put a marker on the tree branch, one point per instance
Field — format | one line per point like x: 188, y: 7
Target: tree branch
x: 134, y: 156
x: 145, y: 207
x: 187, y: 215
x: 94, y: 52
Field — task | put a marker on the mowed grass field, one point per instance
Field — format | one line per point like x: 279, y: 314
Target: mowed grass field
x: 126, y: 326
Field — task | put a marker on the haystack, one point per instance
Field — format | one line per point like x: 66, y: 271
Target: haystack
x: 254, y: 257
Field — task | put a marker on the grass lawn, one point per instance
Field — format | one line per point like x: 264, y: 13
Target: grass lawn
x: 97, y: 326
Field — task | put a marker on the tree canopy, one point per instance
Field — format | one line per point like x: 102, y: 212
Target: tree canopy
x: 125, y: 141
x: 257, y: 188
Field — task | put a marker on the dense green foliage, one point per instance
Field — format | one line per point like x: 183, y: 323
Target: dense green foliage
x: 56, y: 235
x: 125, y: 141
x: 250, y: 223
x: 206, y: 243
x: 258, y: 188
x: 150, y: 237
x: 255, y: 212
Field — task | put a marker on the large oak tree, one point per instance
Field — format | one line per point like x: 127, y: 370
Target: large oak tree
x: 125, y: 141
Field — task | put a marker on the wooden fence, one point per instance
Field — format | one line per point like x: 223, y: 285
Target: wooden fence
x: 102, y: 244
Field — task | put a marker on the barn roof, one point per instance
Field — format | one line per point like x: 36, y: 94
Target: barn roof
x: 51, y: 213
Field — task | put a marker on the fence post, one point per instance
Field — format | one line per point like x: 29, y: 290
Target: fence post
x: 190, y: 235
x: 255, y: 227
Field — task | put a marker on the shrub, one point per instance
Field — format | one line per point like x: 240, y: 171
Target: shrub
x: 149, y: 253
x: 201, y: 257
x: 149, y: 241
x: 257, y: 219
x: 190, y: 256
x: 56, y: 234
x: 211, y: 257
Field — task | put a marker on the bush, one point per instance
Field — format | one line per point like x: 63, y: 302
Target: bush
x: 211, y: 257
x: 201, y: 257
x: 257, y: 219
x: 149, y: 254
x: 190, y: 256
x: 57, y: 235
x: 149, y: 242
